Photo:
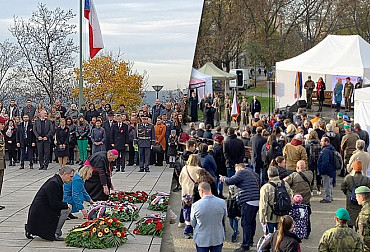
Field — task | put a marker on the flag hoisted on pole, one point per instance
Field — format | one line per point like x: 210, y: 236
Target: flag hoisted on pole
x: 235, y: 110
x: 95, y: 37
x: 298, y: 86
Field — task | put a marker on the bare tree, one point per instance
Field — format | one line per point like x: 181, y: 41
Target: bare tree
x: 47, y: 48
x: 9, y: 58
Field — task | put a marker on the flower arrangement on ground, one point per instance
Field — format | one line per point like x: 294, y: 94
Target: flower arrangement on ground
x: 99, y: 233
x: 132, y: 197
x: 123, y: 211
x: 150, y: 225
x: 158, y: 201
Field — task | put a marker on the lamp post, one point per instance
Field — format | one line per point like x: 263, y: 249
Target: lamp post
x: 157, y: 88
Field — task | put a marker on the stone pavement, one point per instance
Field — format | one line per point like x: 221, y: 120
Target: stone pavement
x: 20, y: 186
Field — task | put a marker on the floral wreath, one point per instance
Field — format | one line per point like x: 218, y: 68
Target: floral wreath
x: 122, y: 211
x: 132, y: 197
x: 152, y: 224
x: 158, y: 201
x: 97, y: 234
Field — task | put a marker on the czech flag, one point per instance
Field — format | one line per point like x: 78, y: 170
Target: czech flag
x: 298, y: 86
x: 235, y: 109
x: 95, y: 38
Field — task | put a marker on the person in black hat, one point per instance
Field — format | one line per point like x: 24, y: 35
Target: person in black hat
x: 145, y: 140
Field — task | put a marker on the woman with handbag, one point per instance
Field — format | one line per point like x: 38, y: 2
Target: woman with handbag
x: 160, y: 142
x: 62, y: 137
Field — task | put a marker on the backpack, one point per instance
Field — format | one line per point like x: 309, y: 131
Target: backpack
x: 282, y: 201
x: 338, y: 161
x: 314, y: 153
x: 352, y: 196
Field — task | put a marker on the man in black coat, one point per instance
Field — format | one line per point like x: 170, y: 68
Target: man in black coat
x: 99, y: 185
x: 257, y: 141
x: 157, y: 110
x: 119, y: 140
x: 194, y: 106
x: 26, y: 141
x: 234, y: 151
x: 255, y: 106
x: 48, y: 212
x: 363, y: 134
x: 44, y: 131
x: 209, y: 113
x: 108, y: 125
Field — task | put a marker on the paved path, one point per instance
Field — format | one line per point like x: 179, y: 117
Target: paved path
x: 20, y: 186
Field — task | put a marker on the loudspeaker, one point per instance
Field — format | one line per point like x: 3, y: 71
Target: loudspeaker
x: 301, y: 103
x: 293, y: 108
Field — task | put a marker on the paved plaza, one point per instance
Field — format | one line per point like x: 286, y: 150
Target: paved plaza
x: 20, y: 186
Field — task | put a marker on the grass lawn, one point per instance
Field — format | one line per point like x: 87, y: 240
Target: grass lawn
x: 258, y: 89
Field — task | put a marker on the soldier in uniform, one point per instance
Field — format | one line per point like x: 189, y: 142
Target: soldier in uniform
x: 363, y: 219
x: 244, y: 112
x: 341, y: 237
x: 309, y: 85
x: 2, y: 154
x: 217, y: 105
x: 348, y: 91
x: 145, y: 140
x: 227, y: 104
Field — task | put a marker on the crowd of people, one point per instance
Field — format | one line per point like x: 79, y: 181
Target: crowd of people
x: 290, y: 159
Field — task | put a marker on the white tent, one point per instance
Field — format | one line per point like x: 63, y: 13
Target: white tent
x: 362, y: 110
x: 195, y: 74
x: 345, y: 55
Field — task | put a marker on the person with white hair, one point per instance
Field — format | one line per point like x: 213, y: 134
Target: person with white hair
x: 333, y: 137
x: 72, y: 111
x: 201, y: 129
x: 359, y: 154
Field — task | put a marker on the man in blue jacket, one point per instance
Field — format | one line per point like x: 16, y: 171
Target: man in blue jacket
x: 326, y: 168
x: 247, y: 195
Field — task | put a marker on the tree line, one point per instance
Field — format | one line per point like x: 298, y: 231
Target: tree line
x: 273, y: 30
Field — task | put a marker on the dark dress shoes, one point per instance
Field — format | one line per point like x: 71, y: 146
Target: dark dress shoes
x: 59, y: 238
x: 72, y: 217
x: 141, y: 170
x: 28, y: 235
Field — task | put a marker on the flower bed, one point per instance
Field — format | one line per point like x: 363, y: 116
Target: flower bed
x: 150, y: 225
x: 123, y: 211
x: 132, y: 197
x: 158, y: 201
x: 97, y: 234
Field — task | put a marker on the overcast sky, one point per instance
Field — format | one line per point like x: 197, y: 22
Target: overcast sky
x: 158, y: 35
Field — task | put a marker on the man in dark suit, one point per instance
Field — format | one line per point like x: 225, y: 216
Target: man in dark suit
x: 257, y: 141
x: 26, y: 141
x: 119, y: 140
x: 255, y: 105
x: 43, y: 130
x: 107, y: 125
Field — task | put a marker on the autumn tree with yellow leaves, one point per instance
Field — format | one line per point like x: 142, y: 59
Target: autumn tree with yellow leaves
x: 112, y: 79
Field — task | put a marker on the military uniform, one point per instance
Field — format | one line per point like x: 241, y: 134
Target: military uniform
x: 363, y: 225
x: 341, y: 238
x: 244, y: 113
x: 227, y: 104
x: 145, y: 139
x: 348, y: 91
x: 309, y: 85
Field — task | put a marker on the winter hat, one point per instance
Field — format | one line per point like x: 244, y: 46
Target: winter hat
x: 347, y: 126
x: 357, y: 166
x: 219, y: 138
x: 297, y: 199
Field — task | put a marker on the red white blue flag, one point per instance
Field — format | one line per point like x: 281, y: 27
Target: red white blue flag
x: 235, y: 109
x: 95, y: 37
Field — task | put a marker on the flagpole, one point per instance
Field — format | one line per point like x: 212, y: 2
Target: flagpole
x: 80, y: 84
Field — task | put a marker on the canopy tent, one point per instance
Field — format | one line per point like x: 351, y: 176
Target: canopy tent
x: 197, y: 77
x: 362, y: 109
x: 346, y: 55
x: 217, y: 74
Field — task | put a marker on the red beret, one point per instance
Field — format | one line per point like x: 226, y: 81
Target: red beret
x: 348, y: 78
x: 2, y: 119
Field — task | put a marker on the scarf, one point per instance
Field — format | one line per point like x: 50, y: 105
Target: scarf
x: 9, y: 132
x: 319, y: 86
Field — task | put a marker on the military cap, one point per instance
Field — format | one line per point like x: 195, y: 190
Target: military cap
x: 342, y: 214
x: 362, y: 189
x: 2, y: 119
